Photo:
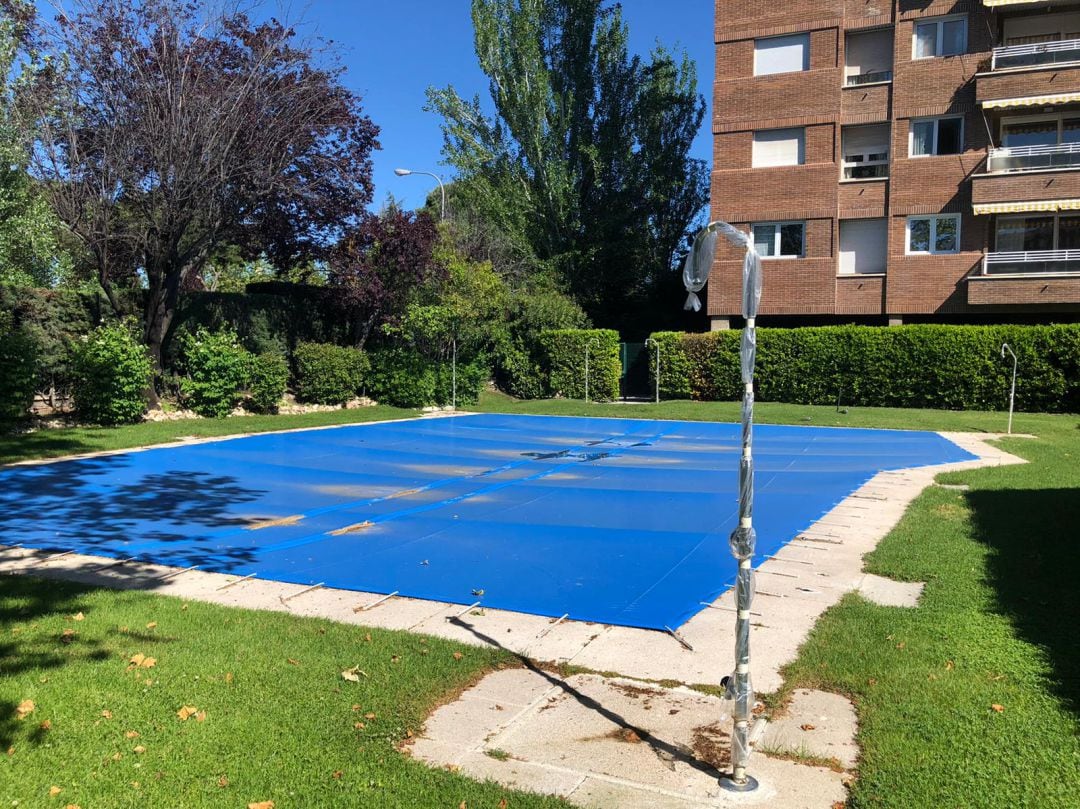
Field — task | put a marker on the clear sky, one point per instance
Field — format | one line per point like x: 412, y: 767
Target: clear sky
x: 396, y: 49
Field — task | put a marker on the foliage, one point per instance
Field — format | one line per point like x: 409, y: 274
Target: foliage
x: 402, y: 377
x: 328, y: 374
x: 564, y: 351
x: 112, y: 372
x: 30, y: 250
x: 379, y: 266
x: 206, y: 127
x: 586, y: 162
x: 18, y: 359
x: 268, y: 378
x: 949, y: 367
x: 217, y: 369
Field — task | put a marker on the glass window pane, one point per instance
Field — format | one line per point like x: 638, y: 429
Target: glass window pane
x: 765, y: 239
x: 948, y: 136
x: 953, y: 34
x: 945, y: 235
x: 1070, y: 130
x: 1031, y: 133
x: 926, y: 39
x: 1009, y: 235
x: 1069, y: 232
x: 1038, y: 233
x: 791, y: 240
x: 919, y: 235
x: 922, y: 137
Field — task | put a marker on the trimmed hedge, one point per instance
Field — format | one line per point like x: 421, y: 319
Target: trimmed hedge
x: 328, y: 374
x: 564, y: 356
x: 111, y: 372
x: 18, y: 366
x: 934, y: 366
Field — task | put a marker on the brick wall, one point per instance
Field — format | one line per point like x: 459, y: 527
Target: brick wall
x: 1019, y: 187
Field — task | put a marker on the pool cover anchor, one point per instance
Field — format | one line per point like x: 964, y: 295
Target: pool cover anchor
x: 743, y: 539
x: 371, y: 605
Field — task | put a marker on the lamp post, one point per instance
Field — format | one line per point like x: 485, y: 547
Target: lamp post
x: 442, y: 188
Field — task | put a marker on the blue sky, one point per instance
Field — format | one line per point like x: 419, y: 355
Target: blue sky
x: 396, y: 49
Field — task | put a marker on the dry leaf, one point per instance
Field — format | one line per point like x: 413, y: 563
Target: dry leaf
x: 997, y: 708
x: 11, y: 751
x: 151, y: 625
x: 46, y: 725
x: 261, y: 805
x: 949, y: 665
x: 353, y: 675
x: 395, y: 658
x: 117, y: 756
x: 72, y: 806
x: 187, y: 711
x: 901, y: 645
x: 337, y: 775
x: 78, y: 616
x: 67, y: 636
x: 502, y: 804
x: 369, y: 716
x: 131, y: 734
x: 358, y: 725
x: 872, y: 681
x: 355, y: 707
x: 807, y: 727
x: 462, y: 805
x: 200, y: 716
x: 452, y: 767
x: 54, y: 791
x: 408, y: 733
x: 223, y: 782
x: 183, y: 606
x: 25, y: 708
x: 367, y: 637
x: 107, y: 714
x: 139, y: 749
x: 228, y: 677
x: 292, y: 662
x: 458, y: 655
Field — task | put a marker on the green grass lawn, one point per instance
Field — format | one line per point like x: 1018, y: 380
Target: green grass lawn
x: 996, y: 627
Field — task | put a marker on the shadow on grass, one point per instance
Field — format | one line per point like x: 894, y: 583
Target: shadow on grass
x: 46, y: 443
x: 1034, y: 566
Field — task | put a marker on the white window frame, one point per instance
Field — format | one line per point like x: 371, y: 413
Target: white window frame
x: 936, y: 119
x: 805, y: 35
x: 934, y: 219
x: 776, y: 238
x: 940, y: 23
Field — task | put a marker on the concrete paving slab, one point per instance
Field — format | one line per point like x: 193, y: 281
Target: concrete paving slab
x: 524, y: 775
x: 889, y: 592
x: 815, y: 723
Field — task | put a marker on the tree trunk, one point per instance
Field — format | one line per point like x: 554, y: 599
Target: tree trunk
x: 160, y: 307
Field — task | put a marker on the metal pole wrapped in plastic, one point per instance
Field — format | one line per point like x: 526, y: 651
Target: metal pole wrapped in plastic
x: 743, y: 538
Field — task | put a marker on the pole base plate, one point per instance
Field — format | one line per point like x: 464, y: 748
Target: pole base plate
x: 730, y: 785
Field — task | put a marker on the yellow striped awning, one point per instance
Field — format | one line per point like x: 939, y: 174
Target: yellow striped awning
x: 993, y: 3
x: 1030, y: 101
x: 1043, y: 205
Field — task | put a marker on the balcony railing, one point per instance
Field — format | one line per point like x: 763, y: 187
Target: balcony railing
x: 1036, y: 55
x: 1032, y: 262
x: 1034, y: 158
x: 875, y: 77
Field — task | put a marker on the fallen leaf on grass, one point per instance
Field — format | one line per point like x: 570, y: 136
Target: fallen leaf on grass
x: 11, y: 751
x: 200, y: 716
x: 107, y: 714
x: 367, y: 637
x: 78, y: 616
x: 24, y: 709
x: 502, y: 804
x: 139, y: 749
x: 46, y: 725
x: 141, y: 661
x: 186, y: 712
x: 355, y: 707
x: 462, y: 805
x: 228, y: 677
x: 458, y: 655
x: 807, y: 727
x: 997, y: 708
x: 949, y: 665
x: 353, y: 675
x: 151, y: 625
x: 369, y: 716
x: 67, y: 636
x: 337, y: 775
x: 131, y: 734
x: 395, y: 658
x: 72, y: 806
x: 358, y: 725
x: 292, y: 661
x: 901, y: 645
x: 261, y: 805
x: 223, y: 782
x: 54, y: 791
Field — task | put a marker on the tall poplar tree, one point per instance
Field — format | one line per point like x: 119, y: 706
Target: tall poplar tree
x: 585, y: 163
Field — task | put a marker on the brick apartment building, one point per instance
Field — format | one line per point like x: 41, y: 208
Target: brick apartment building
x: 900, y: 160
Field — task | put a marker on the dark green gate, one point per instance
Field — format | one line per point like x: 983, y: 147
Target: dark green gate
x: 634, y: 381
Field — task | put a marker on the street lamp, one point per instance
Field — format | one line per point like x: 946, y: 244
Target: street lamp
x: 442, y: 188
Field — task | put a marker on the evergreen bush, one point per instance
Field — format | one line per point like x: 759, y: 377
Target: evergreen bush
x: 328, y: 374
x: 18, y: 368
x: 268, y: 378
x: 564, y: 353
x: 217, y: 369
x: 111, y: 372
x: 934, y: 366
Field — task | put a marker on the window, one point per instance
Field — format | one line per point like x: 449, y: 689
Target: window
x: 866, y: 152
x: 936, y: 136
x: 780, y: 239
x: 1037, y: 232
x: 933, y: 234
x: 787, y: 54
x: 1043, y: 130
x: 863, y: 246
x: 779, y: 147
x: 945, y: 36
x: 868, y: 57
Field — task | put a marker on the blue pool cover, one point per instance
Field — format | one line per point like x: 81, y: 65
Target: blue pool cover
x: 619, y: 521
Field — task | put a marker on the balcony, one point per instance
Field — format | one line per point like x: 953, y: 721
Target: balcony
x: 1039, y: 54
x: 874, y: 77
x: 1032, y: 263
x: 1034, y: 158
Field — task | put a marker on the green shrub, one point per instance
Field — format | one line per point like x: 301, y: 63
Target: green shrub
x: 564, y: 352
x: 936, y: 366
x: 111, y: 372
x: 18, y: 365
x: 402, y: 377
x: 269, y: 375
x: 328, y: 374
x: 216, y: 370
x: 472, y: 376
